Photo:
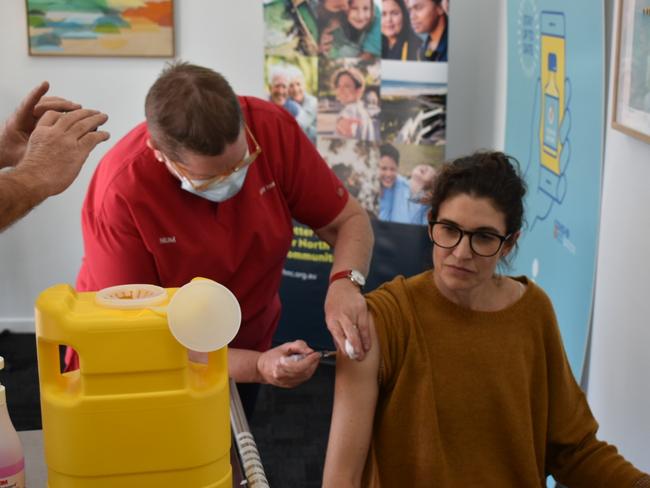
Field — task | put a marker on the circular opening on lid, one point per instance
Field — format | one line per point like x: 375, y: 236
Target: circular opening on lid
x: 127, y: 297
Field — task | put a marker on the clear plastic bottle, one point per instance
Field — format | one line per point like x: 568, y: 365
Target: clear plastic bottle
x: 12, y: 460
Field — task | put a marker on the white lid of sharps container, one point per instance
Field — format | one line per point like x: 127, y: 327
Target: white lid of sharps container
x: 204, y: 315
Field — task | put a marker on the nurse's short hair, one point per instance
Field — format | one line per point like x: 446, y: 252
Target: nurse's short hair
x: 194, y: 108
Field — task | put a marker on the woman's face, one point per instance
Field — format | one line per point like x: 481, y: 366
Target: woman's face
x: 346, y: 89
x: 387, y: 171
x: 458, y: 271
x: 297, y: 89
x: 391, y: 19
x: 360, y: 13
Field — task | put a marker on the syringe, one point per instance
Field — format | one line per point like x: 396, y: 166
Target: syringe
x: 299, y: 357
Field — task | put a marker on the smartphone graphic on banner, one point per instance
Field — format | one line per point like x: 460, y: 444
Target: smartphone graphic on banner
x: 552, y: 61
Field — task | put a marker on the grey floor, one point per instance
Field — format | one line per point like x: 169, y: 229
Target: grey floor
x: 290, y: 426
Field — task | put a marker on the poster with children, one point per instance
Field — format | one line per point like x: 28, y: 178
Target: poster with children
x: 366, y: 80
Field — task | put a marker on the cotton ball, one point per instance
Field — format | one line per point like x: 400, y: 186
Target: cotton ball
x: 349, y: 350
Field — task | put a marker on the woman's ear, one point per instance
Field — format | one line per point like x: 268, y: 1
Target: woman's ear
x: 510, y: 244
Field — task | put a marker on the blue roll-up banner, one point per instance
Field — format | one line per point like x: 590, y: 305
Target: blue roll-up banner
x: 554, y: 127
x: 354, y: 84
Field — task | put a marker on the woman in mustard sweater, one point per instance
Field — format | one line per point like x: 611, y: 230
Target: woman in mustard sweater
x: 469, y: 384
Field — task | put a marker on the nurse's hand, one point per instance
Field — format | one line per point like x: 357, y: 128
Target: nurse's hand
x: 346, y: 314
x: 281, y: 366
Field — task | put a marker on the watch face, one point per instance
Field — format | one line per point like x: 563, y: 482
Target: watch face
x: 357, y: 277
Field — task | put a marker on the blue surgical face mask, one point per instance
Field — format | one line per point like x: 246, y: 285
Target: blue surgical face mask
x: 218, y: 191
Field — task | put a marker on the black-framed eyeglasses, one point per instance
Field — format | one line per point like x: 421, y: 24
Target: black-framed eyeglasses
x: 481, y: 242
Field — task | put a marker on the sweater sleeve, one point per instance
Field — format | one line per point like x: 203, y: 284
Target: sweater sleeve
x: 387, y: 304
x: 575, y: 456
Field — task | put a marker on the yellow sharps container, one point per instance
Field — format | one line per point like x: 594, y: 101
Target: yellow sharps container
x: 137, y: 413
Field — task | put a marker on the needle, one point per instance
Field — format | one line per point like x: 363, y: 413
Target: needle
x: 323, y: 354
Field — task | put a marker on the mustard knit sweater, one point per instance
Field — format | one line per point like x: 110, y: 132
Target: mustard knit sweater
x: 480, y: 399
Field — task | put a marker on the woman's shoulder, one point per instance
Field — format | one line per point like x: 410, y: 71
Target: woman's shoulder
x: 394, y: 310
x: 536, y: 291
x: 400, y: 288
x: 535, y: 301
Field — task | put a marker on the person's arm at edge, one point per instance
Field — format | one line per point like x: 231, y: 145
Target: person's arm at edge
x: 355, y: 400
x: 17, y: 197
x: 55, y: 152
x: 350, y: 234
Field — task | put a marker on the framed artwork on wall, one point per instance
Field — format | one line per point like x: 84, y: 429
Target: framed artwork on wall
x: 631, y: 109
x: 100, y: 28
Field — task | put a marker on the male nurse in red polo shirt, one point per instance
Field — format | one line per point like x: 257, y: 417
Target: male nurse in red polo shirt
x: 208, y: 186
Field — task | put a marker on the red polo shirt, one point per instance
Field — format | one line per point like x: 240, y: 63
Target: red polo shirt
x: 139, y: 226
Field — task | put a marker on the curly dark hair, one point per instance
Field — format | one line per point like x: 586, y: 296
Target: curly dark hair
x: 489, y: 174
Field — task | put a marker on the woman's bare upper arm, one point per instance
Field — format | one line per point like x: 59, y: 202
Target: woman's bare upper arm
x: 355, y: 400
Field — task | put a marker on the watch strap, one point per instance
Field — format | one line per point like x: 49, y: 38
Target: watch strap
x: 346, y: 273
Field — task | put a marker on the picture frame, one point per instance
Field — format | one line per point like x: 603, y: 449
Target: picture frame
x: 124, y: 28
x: 631, y: 104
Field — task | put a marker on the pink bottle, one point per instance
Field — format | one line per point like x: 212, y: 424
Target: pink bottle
x: 12, y: 461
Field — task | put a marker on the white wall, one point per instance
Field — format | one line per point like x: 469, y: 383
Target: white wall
x: 619, y: 385
x: 477, y: 76
x: 45, y: 248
